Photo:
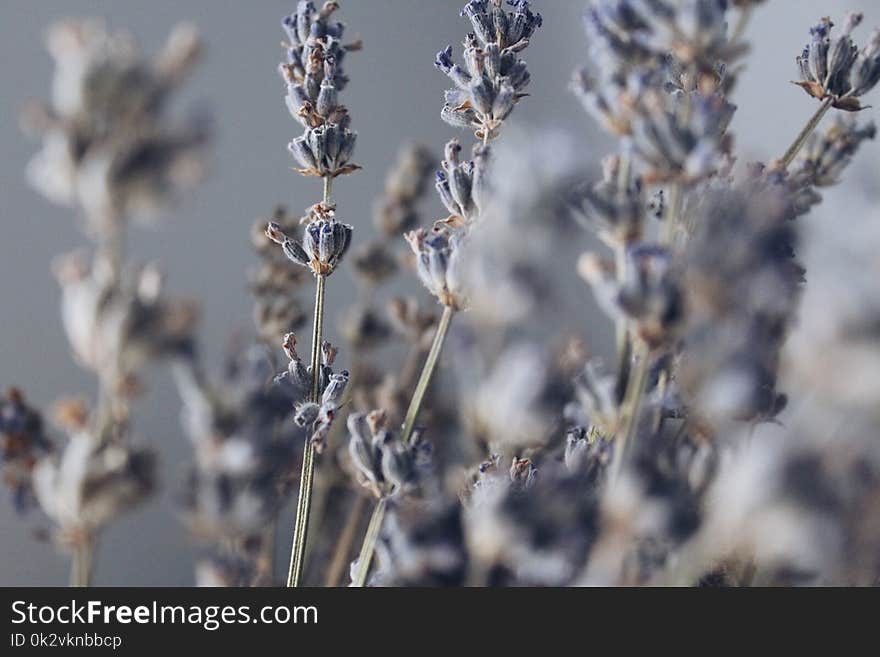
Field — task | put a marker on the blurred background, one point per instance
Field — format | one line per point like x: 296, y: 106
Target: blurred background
x: 394, y: 97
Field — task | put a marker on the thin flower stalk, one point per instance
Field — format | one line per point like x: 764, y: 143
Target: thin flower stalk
x: 313, y: 75
x: 804, y: 134
x: 369, y: 545
x: 365, y: 559
x: 424, y: 381
x: 114, y: 155
x: 631, y: 408
x: 307, y: 476
x: 82, y: 565
x: 482, y: 98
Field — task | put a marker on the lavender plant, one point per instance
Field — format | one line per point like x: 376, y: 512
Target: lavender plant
x: 486, y: 90
x: 314, y: 77
x: 111, y: 154
x: 690, y: 459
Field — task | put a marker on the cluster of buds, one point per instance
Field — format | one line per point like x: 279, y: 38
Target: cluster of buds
x: 396, y: 212
x: 314, y: 77
x: 243, y: 440
x: 422, y: 543
x: 680, y: 136
x: 493, y: 79
x: 316, y: 417
x: 382, y: 463
x: 649, y: 295
x: 438, y: 256
x: 835, y: 68
x: 597, y: 399
x: 463, y: 185
x: 325, y: 240
x: 90, y: 482
x: 616, y: 212
x: 116, y: 325
x: 627, y: 33
x: 587, y: 454
x: 107, y: 146
x: 825, y: 156
x: 277, y: 311
x: 324, y: 151
x: 517, y: 533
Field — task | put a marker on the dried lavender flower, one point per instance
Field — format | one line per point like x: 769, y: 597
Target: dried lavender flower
x: 462, y: 185
x: 314, y: 77
x: 374, y: 263
x: 650, y: 295
x: 88, y: 484
x: 296, y: 383
x: 825, y: 156
x: 277, y: 310
x: 616, y: 212
x: 324, y: 243
x: 586, y: 454
x: 22, y: 444
x: 396, y: 212
x: 382, y: 463
x: 241, y: 431
x: 519, y: 536
x: 107, y: 145
x: 313, y: 70
x: 366, y: 328
x: 115, y: 326
x: 422, y: 544
x: 493, y: 79
x: 324, y: 151
x: 742, y: 289
x: 631, y: 33
x: 834, y: 68
x: 437, y: 263
x: 679, y: 145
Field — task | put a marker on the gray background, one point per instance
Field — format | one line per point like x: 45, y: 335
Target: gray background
x: 394, y: 96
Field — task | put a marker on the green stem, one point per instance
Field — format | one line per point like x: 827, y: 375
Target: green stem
x: 81, y: 565
x: 307, y: 476
x: 365, y: 559
x: 415, y: 405
x: 631, y: 405
x: 412, y: 413
x: 670, y: 226
x: 328, y: 183
x: 804, y: 134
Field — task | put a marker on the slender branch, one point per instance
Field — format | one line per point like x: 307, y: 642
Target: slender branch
x: 81, y: 564
x: 630, y: 408
x: 622, y: 341
x: 741, y: 24
x: 804, y: 134
x: 343, y: 548
x: 365, y: 559
x: 307, y: 475
x: 328, y: 183
x: 412, y: 413
x: 306, y: 481
x: 673, y: 217
x: 430, y: 365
